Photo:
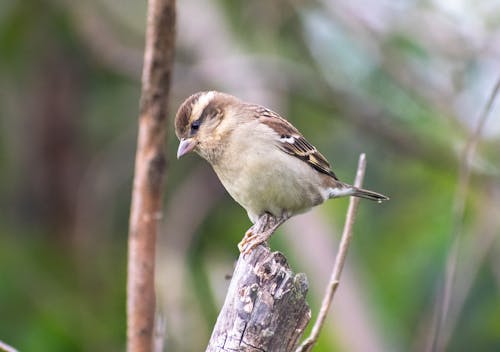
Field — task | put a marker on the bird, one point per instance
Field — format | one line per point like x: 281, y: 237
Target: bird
x: 261, y: 159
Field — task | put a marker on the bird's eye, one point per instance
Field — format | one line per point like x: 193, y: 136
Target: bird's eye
x: 195, y: 125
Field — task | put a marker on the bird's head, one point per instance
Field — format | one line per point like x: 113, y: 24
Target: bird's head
x: 198, y: 123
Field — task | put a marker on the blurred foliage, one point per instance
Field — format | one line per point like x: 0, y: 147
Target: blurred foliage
x: 402, y: 81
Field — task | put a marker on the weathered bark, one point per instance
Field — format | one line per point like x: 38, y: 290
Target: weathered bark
x: 149, y: 173
x: 265, y: 307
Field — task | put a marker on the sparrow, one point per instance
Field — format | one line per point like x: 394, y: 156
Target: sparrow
x: 261, y: 159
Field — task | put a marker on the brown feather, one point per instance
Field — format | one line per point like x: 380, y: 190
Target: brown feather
x: 183, y: 116
x: 299, y: 147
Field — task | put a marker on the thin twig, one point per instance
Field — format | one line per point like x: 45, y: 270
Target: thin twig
x: 160, y: 332
x: 347, y: 234
x: 439, y: 337
x: 6, y: 348
x: 474, y: 252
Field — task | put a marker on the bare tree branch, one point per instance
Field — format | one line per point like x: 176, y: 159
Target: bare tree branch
x: 265, y: 307
x: 354, y: 306
x: 6, y: 348
x: 159, y: 333
x: 347, y: 234
x: 149, y: 173
x: 438, y: 337
x: 475, y: 250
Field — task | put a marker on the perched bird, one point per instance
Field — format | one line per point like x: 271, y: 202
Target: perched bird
x: 262, y: 160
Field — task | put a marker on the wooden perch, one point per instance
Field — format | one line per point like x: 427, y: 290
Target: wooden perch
x: 265, y: 308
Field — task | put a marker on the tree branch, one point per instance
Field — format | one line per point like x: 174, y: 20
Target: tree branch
x: 6, y: 348
x: 150, y: 167
x: 265, y: 307
x: 441, y: 330
x: 347, y: 234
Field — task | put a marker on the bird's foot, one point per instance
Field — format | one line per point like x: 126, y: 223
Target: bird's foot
x: 260, y: 232
x: 252, y: 239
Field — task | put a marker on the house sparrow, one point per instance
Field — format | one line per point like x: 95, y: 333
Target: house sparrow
x: 262, y: 160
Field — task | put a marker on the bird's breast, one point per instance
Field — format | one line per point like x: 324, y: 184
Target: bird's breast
x: 265, y: 180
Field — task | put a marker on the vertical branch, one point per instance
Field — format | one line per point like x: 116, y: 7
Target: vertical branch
x: 149, y: 174
x: 441, y: 328
x: 347, y: 234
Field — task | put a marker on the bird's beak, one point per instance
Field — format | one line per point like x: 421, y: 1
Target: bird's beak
x: 185, y: 146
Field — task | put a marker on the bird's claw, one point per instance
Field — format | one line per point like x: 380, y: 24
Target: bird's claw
x: 252, y: 240
x: 260, y: 232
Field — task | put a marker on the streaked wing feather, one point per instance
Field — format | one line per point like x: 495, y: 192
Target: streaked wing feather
x: 293, y: 143
x: 303, y: 150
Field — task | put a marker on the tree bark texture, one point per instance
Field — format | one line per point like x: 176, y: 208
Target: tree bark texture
x: 150, y: 167
x: 265, y: 307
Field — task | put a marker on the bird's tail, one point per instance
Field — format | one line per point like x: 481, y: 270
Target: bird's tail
x: 371, y: 195
x: 348, y: 190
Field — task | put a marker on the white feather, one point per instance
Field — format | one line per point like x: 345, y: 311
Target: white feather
x: 290, y: 139
x: 202, y: 103
x: 339, y: 192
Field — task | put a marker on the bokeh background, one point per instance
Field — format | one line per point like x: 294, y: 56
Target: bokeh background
x: 403, y: 81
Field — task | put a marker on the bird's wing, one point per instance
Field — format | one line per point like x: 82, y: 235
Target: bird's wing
x: 293, y: 143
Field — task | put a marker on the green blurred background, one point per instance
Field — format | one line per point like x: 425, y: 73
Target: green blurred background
x: 403, y: 81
